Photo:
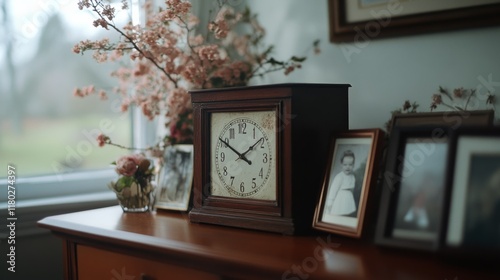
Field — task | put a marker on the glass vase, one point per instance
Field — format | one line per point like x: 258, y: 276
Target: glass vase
x: 135, y: 198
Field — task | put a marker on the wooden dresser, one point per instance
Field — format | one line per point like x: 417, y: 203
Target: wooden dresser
x: 109, y: 244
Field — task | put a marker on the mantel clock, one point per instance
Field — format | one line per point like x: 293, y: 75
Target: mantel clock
x: 260, y: 153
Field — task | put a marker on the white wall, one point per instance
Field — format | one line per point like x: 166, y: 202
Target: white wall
x: 386, y: 72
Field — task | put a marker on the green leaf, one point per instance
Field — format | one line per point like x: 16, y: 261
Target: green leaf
x: 124, y: 182
x: 298, y: 59
x: 273, y: 61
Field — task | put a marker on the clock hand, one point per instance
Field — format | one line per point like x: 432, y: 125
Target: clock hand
x: 234, y: 150
x: 251, y: 147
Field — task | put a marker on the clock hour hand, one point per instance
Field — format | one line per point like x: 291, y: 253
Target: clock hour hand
x: 240, y: 156
x: 251, y: 147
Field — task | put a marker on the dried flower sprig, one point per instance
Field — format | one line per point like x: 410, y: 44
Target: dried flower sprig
x: 459, y: 95
x: 408, y: 107
x: 465, y: 96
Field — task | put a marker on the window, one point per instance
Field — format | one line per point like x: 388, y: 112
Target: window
x: 44, y: 129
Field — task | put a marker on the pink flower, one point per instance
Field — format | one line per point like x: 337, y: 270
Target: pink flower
x: 84, y: 91
x: 126, y: 165
x: 458, y: 92
x: 138, y: 158
x: 109, y: 12
x: 102, y: 140
x: 102, y: 95
x: 437, y: 99
x: 84, y: 3
x: 78, y: 92
x: 101, y: 22
x: 289, y: 69
x: 76, y: 49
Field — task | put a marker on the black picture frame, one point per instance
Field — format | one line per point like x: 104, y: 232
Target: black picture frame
x: 472, y: 208
x: 453, y: 119
x: 413, y: 188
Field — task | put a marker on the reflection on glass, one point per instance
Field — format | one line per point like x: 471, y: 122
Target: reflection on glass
x: 420, y: 194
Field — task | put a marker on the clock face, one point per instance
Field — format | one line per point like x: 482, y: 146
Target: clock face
x: 243, y: 155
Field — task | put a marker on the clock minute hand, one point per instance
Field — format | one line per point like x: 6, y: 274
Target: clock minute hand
x: 234, y: 150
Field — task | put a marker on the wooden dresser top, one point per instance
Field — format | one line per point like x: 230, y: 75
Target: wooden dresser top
x: 233, y: 252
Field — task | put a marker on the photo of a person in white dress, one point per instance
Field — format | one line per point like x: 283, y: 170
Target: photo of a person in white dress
x: 345, y: 188
x: 340, y: 198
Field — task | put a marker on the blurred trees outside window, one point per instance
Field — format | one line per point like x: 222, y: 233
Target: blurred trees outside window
x: 44, y: 129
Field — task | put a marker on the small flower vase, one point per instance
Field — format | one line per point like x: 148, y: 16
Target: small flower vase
x: 135, y: 198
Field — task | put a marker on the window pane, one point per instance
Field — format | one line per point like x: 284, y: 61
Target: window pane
x: 44, y: 129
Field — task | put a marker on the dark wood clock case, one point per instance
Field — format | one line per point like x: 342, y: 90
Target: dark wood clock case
x: 308, y: 115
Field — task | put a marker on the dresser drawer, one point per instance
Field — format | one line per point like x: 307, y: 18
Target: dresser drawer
x: 96, y: 264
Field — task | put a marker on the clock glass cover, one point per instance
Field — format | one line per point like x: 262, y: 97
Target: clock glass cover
x: 243, y: 155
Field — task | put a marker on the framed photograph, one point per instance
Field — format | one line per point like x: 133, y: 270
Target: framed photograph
x: 175, y: 179
x: 360, y: 21
x: 412, y: 199
x: 349, y: 181
x: 452, y: 119
x: 473, y: 224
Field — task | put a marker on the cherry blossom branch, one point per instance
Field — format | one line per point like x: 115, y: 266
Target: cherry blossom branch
x: 105, y: 140
x: 96, y: 4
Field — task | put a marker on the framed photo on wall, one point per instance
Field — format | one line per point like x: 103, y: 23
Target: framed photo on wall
x: 360, y: 21
x: 412, y: 199
x: 473, y: 224
x: 175, y: 179
x: 349, y: 181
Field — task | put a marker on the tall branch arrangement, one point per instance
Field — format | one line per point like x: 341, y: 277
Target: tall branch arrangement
x: 167, y: 56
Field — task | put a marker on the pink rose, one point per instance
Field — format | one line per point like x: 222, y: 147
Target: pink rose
x: 126, y: 165
x: 138, y: 158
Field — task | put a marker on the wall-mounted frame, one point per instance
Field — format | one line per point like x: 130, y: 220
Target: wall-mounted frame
x: 473, y: 224
x: 175, y: 179
x: 412, y: 199
x: 365, y: 20
x: 349, y: 182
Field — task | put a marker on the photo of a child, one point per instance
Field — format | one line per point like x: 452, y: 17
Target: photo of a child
x: 340, y: 198
x: 345, y: 183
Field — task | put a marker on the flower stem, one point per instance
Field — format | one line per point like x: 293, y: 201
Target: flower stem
x: 128, y: 148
